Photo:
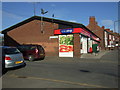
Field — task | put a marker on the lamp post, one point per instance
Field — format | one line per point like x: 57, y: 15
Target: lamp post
x: 53, y: 21
x: 115, y: 25
x: 116, y: 31
x: 41, y: 24
x: 34, y: 8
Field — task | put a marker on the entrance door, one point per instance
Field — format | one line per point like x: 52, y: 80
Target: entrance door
x: 83, y: 45
x: 89, y: 44
x: 65, y: 45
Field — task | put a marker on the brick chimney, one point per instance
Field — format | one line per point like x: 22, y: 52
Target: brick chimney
x: 92, y: 20
x: 103, y: 27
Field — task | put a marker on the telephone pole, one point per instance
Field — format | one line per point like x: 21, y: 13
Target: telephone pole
x: 34, y: 8
x: 42, y: 13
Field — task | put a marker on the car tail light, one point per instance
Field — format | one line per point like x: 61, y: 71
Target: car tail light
x: 36, y: 50
x: 8, y: 58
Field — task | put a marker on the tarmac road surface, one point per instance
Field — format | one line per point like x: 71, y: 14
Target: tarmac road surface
x: 55, y: 72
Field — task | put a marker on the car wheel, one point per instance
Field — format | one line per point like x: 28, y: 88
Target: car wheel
x: 30, y: 58
x: 42, y: 58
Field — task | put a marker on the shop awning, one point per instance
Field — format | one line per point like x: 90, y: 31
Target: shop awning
x: 76, y: 30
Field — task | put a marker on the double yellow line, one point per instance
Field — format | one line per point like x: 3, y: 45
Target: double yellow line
x: 59, y: 81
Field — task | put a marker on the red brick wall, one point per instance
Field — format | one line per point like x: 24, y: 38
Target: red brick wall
x: 76, y: 45
x: 30, y: 33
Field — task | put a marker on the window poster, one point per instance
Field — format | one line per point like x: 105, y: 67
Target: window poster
x: 65, y: 45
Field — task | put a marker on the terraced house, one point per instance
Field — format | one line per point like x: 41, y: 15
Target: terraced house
x: 109, y: 39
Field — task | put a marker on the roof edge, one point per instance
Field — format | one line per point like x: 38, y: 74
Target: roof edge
x: 38, y: 18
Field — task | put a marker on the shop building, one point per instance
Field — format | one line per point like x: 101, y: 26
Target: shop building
x: 58, y: 37
x: 69, y: 37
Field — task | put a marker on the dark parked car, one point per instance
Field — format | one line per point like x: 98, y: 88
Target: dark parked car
x: 32, y: 52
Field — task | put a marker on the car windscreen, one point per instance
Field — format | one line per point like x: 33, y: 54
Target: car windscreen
x: 11, y: 51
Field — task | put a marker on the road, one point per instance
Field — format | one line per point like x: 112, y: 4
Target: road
x: 55, y: 72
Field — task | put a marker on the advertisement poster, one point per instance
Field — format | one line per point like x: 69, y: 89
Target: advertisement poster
x: 65, y: 45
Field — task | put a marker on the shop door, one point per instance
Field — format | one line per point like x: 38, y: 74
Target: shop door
x: 83, y: 45
x: 89, y: 45
x: 65, y: 45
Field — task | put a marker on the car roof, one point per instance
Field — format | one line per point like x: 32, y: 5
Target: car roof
x: 30, y: 45
x: 6, y: 47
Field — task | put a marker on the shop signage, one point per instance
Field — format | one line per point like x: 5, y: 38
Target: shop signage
x: 84, y: 32
x: 65, y: 31
x: 76, y: 30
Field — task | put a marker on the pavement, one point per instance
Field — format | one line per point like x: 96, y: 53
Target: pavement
x: 93, y: 56
x: 102, y: 56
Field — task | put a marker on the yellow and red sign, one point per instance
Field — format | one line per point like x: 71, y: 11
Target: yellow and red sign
x: 66, y: 48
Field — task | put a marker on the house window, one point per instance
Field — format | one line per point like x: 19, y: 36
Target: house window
x: 110, y: 37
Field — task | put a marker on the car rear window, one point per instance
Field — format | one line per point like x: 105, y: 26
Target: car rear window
x: 22, y: 48
x: 41, y: 48
x: 11, y: 51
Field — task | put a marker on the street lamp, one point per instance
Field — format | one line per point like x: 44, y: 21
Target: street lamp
x: 115, y: 30
x: 34, y: 8
x: 52, y: 21
x: 114, y: 24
